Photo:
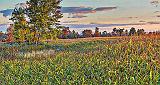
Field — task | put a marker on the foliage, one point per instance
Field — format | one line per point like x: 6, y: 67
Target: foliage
x: 20, y: 24
x: 132, y: 31
x: 118, y: 31
x: 140, y: 32
x: 42, y: 20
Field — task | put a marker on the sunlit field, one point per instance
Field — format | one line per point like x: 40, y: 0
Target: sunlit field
x: 106, y: 61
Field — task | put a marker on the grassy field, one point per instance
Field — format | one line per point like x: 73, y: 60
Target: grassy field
x: 95, y: 61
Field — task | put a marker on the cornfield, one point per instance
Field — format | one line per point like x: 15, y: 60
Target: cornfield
x: 121, y: 61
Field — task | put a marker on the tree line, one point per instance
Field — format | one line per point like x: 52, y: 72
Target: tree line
x: 67, y: 34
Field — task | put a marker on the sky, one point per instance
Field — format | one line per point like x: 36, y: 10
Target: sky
x: 105, y: 14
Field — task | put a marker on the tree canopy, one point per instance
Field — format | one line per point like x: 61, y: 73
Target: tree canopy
x: 38, y: 21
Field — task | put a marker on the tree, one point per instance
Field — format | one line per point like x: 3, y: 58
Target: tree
x: 73, y: 35
x: 10, y: 37
x: 20, y: 24
x: 87, y: 33
x: 121, y: 31
x: 97, y: 33
x: 1, y: 36
x: 126, y: 32
x: 132, y: 31
x: 42, y: 15
x: 118, y: 31
x: 104, y: 34
x: 140, y: 32
x: 115, y: 30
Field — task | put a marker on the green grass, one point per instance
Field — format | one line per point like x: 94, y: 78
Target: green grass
x: 108, y: 62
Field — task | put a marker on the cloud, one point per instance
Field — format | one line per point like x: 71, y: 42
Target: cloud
x: 105, y: 8
x: 85, y: 9
x: 4, y: 20
x: 158, y: 16
x: 132, y: 17
x: 69, y: 21
x: 78, y: 12
x: 92, y: 25
x: 142, y: 21
x: 6, y: 12
x: 137, y: 24
x: 76, y: 9
x: 153, y: 22
x: 156, y: 11
x: 77, y: 16
x: 155, y: 2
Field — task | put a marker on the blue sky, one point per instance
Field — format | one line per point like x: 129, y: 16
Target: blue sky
x: 127, y: 12
x: 8, y: 4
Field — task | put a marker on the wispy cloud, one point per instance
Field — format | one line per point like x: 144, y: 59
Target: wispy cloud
x: 93, y: 25
x: 132, y: 17
x: 155, y: 2
x: 157, y: 12
x: 78, y: 12
x: 4, y: 20
x: 69, y: 21
x: 105, y: 8
x: 76, y: 9
x: 158, y: 16
x: 142, y: 21
x: 154, y: 22
x: 85, y: 9
x: 6, y: 12
x: 77, y: 16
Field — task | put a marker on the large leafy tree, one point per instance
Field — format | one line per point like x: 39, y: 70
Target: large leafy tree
x: 42, y: 23
x: 44, y: 16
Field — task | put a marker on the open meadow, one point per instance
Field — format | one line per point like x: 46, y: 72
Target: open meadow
x: 98, y: 61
